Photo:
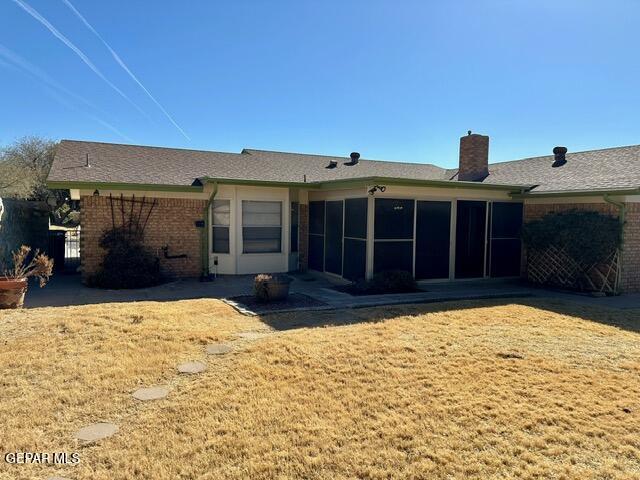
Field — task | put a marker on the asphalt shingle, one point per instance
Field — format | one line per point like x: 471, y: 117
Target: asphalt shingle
x: 613, y: 168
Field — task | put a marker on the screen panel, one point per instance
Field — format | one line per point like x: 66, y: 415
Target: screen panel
x: 294, y: 226
x: 470, y: 238
x: 316, y: 252
x: 355, y: 259
x: 393, y: 219
x: 333, y: 237
x: 433, y: 232
x: 505, y: 245
x: 316, y: 218
x: 393, y: 256
x: 506, y: 221
x: 505, y: 257
x: 355, y: 217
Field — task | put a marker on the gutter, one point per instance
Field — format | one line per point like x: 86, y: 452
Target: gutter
x: 364, y: 181
x: 205, y: 233
x: 577, y: 193
x: 63, y: 185
x: 622, y: 209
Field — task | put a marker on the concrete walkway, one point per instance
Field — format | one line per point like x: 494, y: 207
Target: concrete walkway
x: 64, y: 290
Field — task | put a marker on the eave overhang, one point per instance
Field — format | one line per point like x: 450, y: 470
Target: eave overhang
x: 54, y: 184
x: 593, y: 192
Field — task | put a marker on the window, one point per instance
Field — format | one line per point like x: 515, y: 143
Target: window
x: 221, y: 213
x: 294, y: 227
x: 261, y: 227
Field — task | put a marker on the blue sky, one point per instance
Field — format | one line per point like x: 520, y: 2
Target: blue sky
x: 399, y: 80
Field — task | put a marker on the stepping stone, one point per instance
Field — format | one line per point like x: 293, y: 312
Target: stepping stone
x: 252, y: 335
x: 151, y: 393
x: 96, y: 432
x: 218, y: 349
x: 192, y: 367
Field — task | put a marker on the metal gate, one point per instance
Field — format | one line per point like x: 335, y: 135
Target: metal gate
x: 64, y: 249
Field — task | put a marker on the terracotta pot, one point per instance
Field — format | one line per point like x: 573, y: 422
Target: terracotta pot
x: 12, y: 292
x: 278, y: 290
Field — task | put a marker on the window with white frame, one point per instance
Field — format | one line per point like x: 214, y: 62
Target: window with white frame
x: 261, y: 227
x: 221, y: 216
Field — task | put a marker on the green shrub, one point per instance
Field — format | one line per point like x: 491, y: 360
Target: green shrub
x: 587, y: 237
x: 127, y: 263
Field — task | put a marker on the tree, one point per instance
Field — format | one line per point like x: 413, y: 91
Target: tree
x: 24, y: 166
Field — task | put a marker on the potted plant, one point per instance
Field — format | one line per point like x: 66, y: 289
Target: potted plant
x: 14, y: 281
x: 271, y: 287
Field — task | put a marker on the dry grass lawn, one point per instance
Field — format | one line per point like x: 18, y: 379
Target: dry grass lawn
x: 527, y: 389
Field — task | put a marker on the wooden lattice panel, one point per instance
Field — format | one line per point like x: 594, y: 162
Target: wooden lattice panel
x: 553, y: 266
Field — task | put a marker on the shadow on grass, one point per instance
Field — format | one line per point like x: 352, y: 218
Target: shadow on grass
x: 625, y: 319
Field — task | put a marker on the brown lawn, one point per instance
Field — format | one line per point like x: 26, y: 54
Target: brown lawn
x: 511, y: 389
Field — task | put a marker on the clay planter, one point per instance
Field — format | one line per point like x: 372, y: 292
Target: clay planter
x: 274, y: 289
x: 278, y: 288
x: 12, y: 292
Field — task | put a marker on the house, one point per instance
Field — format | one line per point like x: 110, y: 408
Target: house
x: 264, y: 211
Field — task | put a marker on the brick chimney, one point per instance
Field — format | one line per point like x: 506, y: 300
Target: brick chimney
x: 474, y: 157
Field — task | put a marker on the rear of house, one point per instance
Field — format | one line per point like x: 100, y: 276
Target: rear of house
x: 262, y: 211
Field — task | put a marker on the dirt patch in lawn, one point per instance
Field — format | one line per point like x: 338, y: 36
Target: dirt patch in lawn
x: 485, y: 389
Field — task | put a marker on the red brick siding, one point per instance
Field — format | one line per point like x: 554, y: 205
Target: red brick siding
x: 172, y: 223
x: 474, y: 157
x: 631, y: 253
x: 536, y: 212
x: 631, y: 249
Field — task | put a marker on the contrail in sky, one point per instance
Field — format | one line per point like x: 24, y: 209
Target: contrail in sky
x: 123, y: 65
x: 16, y: 61
x: 27, y: 8
x: 12, y: 60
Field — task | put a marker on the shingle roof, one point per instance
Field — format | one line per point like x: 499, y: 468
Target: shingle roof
x: 117, y: 163
x: 610, y: 168
x: 613, y: 168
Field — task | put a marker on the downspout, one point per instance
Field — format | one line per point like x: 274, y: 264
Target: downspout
x: 205, y: 233
x: 622, y: 209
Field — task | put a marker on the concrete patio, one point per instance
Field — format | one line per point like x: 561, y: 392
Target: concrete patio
x: 66, y: 290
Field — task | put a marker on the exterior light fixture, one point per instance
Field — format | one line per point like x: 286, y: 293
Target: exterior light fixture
x: 375, y: 188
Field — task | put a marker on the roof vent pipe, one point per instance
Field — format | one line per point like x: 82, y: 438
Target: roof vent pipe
x: 559, y: 156
x: 332, y: 164
x: 355, y: 157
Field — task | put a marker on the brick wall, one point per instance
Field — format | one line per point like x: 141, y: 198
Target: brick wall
x: 631, y: 249
x: 172, y: 223
x: 303, y: 237
x: 536, y: 212
x: 631, y: 253
x: 474, y: 157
